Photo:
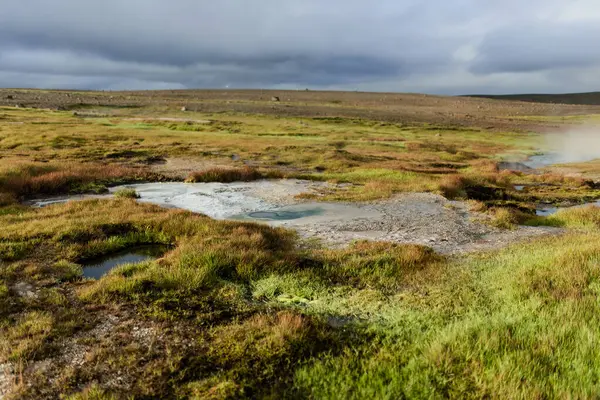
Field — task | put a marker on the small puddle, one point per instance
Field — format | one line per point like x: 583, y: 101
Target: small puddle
x: 542, y: 160
x: 547, y: 159
x: 545, y: 211
x: 549, y: 210
x: 519, y: 188
x: 99, y: 267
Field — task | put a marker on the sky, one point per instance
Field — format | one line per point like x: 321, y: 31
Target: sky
x: 425, y: 46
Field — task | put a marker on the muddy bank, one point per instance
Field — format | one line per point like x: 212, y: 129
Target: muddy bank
x: 421, y: 218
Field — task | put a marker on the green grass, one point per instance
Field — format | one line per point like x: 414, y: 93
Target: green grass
x: 513, y: 324
x: 584, y: 218
x: 127, y: 193
x: 373, y: 320
x: 380, y: 158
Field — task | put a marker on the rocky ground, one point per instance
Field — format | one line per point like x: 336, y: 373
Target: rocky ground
x: 421, y: 218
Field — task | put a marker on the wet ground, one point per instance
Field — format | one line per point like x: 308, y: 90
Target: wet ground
x: 549, y: 210
x: 421, y: 218
x: 226, y: 200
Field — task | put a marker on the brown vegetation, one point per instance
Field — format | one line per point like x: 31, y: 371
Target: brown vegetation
x: 226, y: 175
x: 26, y: 180
x: 388, y: 107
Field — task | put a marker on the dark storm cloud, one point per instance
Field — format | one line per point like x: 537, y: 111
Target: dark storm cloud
x: 229, y: 42
x: 434, y: 45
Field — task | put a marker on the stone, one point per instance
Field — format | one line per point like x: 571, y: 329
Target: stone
x: 24, y: 289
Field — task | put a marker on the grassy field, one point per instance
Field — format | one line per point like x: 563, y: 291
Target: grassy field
x: 242, y: 310
x: 591, y: 98
x: 47, y: 149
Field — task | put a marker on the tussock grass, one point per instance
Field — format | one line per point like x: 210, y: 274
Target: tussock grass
x: 67, y: 271
x: 510, y: 218
x: 524, y: 314
x: 27, y: 180
x: 227, y: 175
x: 26, y: 337
x: 556, y: 179
x: 127, y: 194
x: 475, y: 185
x: 453, y: 186
x: 584, y: 218
x: 383, y: 265
x: 504, y: 218
x: 92, y: 393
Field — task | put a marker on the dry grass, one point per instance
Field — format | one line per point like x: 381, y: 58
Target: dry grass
x: 557, y: 179
x: 127, y: 193
x: 453, y: 186
x: 505, y: 218
x: 27, y: 180
x: 411, y: 158
x: 485, y: 166
x: 227, y: 175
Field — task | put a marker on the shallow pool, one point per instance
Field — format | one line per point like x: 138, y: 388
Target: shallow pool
x: 97, y: 268
x: 281, y: 215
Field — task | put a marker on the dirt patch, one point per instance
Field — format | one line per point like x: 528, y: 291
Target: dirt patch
x: 7, y: 380
x: 24, y: 289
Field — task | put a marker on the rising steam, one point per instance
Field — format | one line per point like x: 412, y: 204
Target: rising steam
x: 574, y: 146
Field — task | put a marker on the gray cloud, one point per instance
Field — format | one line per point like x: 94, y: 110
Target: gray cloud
x: 542, y: 45
x: 434, y: 46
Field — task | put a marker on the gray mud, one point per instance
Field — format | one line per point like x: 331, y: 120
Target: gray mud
x: 224, y: 200
x: 420, y: 218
